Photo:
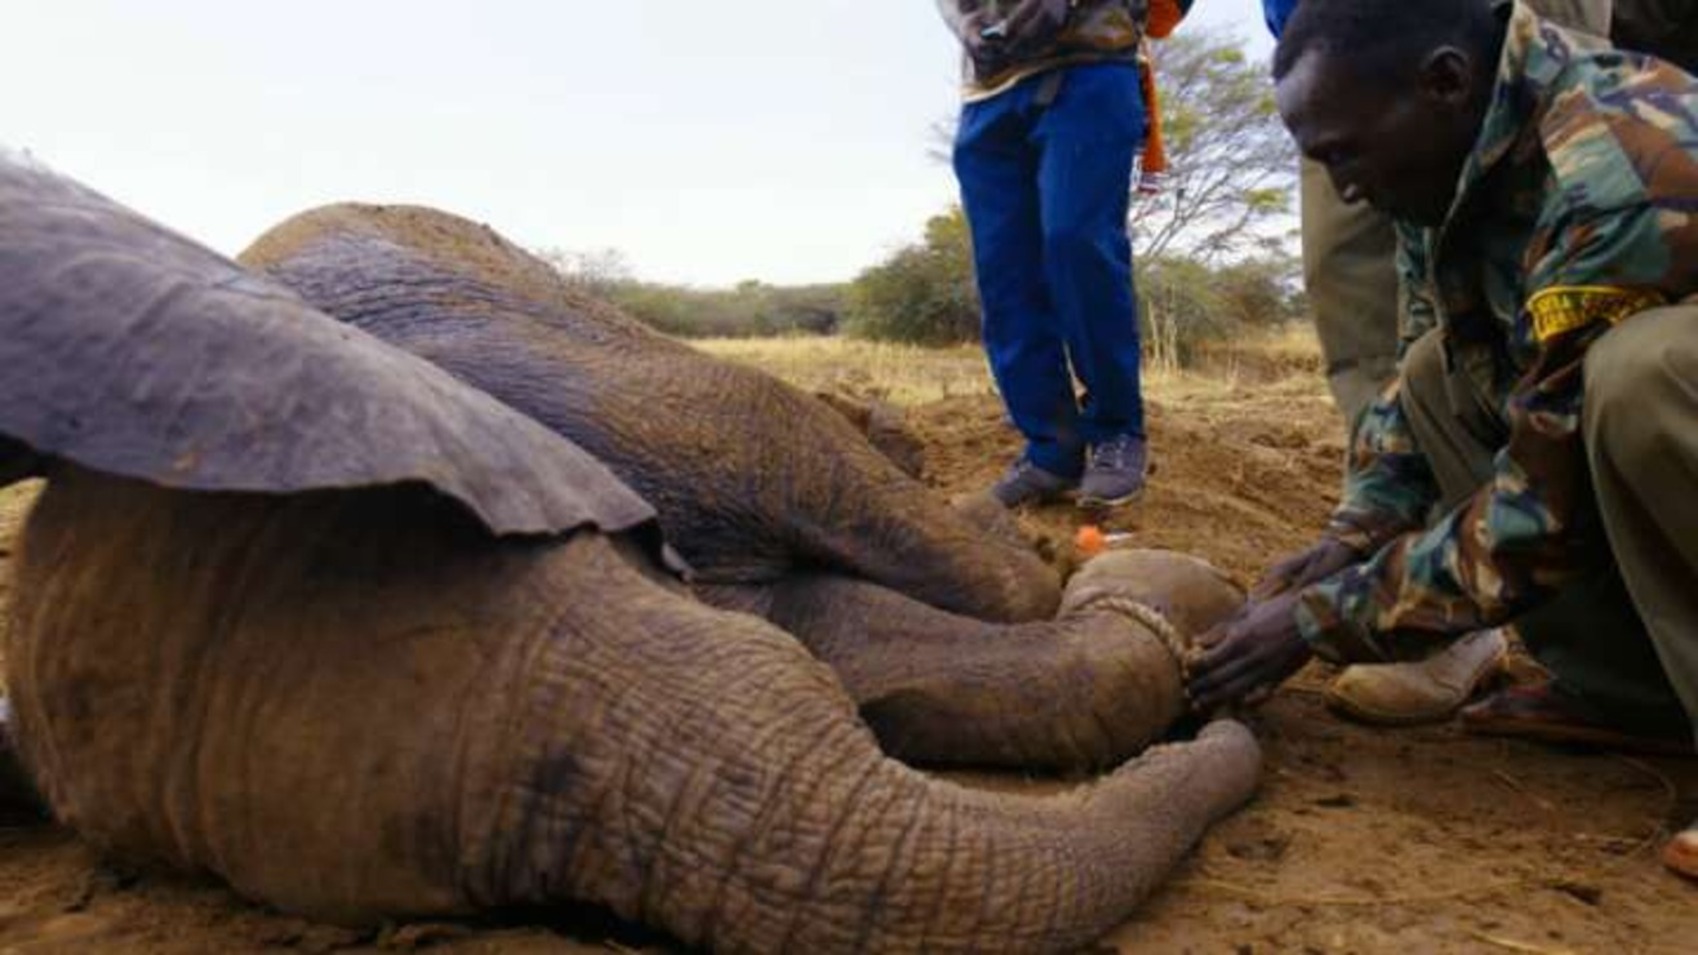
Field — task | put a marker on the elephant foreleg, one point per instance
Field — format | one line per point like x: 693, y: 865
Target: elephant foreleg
x: 1087, y: 689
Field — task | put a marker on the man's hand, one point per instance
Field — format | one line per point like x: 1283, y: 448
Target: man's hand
x: 1034, y: 22
x: 1295, y: 571
x: 1256, y: 650
x: 990, y: 55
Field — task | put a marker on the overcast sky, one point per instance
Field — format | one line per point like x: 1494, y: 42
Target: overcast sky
x: 783, y: 140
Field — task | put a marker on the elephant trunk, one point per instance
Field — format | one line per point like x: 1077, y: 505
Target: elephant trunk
x: 733, y: 797
x: 918, y: 864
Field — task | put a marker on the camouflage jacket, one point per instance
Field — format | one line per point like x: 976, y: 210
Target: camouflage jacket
x: 1096, y: 30
x: 1574, y: 211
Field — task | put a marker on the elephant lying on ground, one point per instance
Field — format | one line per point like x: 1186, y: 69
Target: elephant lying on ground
x: 779, y: 506
x: 301, y: 610
x: 753, y: 480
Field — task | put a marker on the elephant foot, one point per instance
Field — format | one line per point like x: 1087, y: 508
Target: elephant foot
x: 1188, y: 592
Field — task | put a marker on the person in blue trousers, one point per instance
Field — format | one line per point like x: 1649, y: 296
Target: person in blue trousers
x: 1052, y: 122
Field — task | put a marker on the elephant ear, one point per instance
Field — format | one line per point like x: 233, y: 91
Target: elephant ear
x: 128, y: 349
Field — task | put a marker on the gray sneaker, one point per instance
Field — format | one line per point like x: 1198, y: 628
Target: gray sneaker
x: 1114, y: 473
x: 1026, y: 483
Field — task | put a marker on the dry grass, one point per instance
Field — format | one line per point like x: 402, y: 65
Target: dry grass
x: 903, y: 374
x: 1278, y: 361
x: 1295, y: 340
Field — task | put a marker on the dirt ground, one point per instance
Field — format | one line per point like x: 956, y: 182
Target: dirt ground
x: 1362, y: 840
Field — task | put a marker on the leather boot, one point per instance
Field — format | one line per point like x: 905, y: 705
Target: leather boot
x: 1543, y: 712
x: 1425, y: 691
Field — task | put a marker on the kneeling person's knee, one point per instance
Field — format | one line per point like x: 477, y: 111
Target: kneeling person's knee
x: 1422, y: 370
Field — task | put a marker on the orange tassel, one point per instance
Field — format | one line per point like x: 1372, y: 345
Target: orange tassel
x: 1164, y: 15
x: 1153, y: 166
x: 1162, y: 19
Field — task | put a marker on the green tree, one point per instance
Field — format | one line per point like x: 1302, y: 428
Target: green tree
x: 750, y: 308
x: 922, y: 294
x: 1184, y: 303
x: 1231, y: 164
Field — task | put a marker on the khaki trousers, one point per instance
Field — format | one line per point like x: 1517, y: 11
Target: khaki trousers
x: 1623, y: 637
x: 1350, y: 273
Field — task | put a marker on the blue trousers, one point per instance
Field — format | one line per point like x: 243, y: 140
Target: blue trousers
x: 1046, y: 189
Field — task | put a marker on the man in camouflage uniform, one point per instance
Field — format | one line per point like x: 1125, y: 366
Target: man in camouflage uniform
x: 1547, y: 399
x: 1350, y: 274
x: 1349, y: 249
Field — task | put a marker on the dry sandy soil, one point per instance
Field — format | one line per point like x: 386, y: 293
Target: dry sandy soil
x: 1362, y: 840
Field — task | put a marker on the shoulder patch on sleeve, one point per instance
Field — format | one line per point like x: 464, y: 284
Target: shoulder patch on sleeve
x: 1559, y: 309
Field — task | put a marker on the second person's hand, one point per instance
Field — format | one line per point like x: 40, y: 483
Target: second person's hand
x: 1326, y: 557
x: 1256, y: 650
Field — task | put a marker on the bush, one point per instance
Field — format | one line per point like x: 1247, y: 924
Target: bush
x: 752, y: 309
x: 1184, y: 305
x: 923, y: 294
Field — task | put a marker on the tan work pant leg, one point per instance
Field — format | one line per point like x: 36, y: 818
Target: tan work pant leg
x: 1590, y: 635
x: 1350, y: 273
x: 1456, y: 425
x: 1642, y: 440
